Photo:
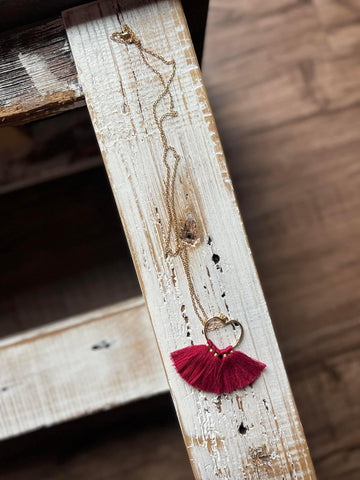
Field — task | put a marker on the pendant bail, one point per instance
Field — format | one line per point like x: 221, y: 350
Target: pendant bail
x: 125, y: 36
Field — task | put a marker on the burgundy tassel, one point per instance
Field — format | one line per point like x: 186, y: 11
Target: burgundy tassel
x: 210, y: 369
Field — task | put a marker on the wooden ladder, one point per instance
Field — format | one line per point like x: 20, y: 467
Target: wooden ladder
x: 118, y: 94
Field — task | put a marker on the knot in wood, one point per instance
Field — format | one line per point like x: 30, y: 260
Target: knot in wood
x: 189, y: 231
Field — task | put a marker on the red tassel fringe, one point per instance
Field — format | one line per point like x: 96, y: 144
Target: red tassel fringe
x: 226, y: 371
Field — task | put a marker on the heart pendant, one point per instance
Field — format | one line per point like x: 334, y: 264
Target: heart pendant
x: 213, y: 369
x: 224, y: 322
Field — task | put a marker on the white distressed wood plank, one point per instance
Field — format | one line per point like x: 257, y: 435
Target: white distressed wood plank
x: 119, y: 92
x: 78, y: 366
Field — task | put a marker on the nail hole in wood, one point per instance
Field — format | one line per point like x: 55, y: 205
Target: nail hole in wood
x: 101, y: 345
x: 242, y: 429
x: 215, y: 258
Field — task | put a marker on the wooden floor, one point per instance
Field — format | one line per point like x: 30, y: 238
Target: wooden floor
x: 284, y: 81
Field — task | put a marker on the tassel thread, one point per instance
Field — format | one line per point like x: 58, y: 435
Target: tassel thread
x: 215, y: 370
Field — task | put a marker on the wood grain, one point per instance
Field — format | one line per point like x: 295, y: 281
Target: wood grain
x: 283, y: 81
x: 38, y: 77
x: 110, y: 443
x: 78, y: 366
x: 297, y: 185
x: 37, y: 72
x: 120, y: 108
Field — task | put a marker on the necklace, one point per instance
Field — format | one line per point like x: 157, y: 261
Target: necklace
x: 205, y: 367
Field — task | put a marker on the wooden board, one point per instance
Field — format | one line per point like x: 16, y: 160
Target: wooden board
x: 311, y: 281
x: 38, y: 77
x: 86, y: 266
x: 78, y: 366
x: 274, y: 446
x: 37, y: 72
x: 123, y: 441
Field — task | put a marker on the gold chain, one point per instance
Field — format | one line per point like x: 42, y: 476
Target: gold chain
x: 127, y: 37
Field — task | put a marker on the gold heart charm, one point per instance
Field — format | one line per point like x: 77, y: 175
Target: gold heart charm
x: 224, y: 321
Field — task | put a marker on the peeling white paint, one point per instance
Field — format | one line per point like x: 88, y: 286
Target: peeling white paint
x: 133, y: 158
x: 53, y: 374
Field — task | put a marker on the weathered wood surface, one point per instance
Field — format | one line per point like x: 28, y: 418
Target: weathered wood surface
x: 106, y: 380
x: 310, y: 280
x: 85, y: 266
x: 76, y: 367
x: 274, y: 446
x: 118, y: 441
x: 37, y: 74
x: 283, y: 79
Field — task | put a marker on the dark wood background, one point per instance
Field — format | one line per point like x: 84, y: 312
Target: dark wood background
x: 284, y: 81
x: 283, y: 78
